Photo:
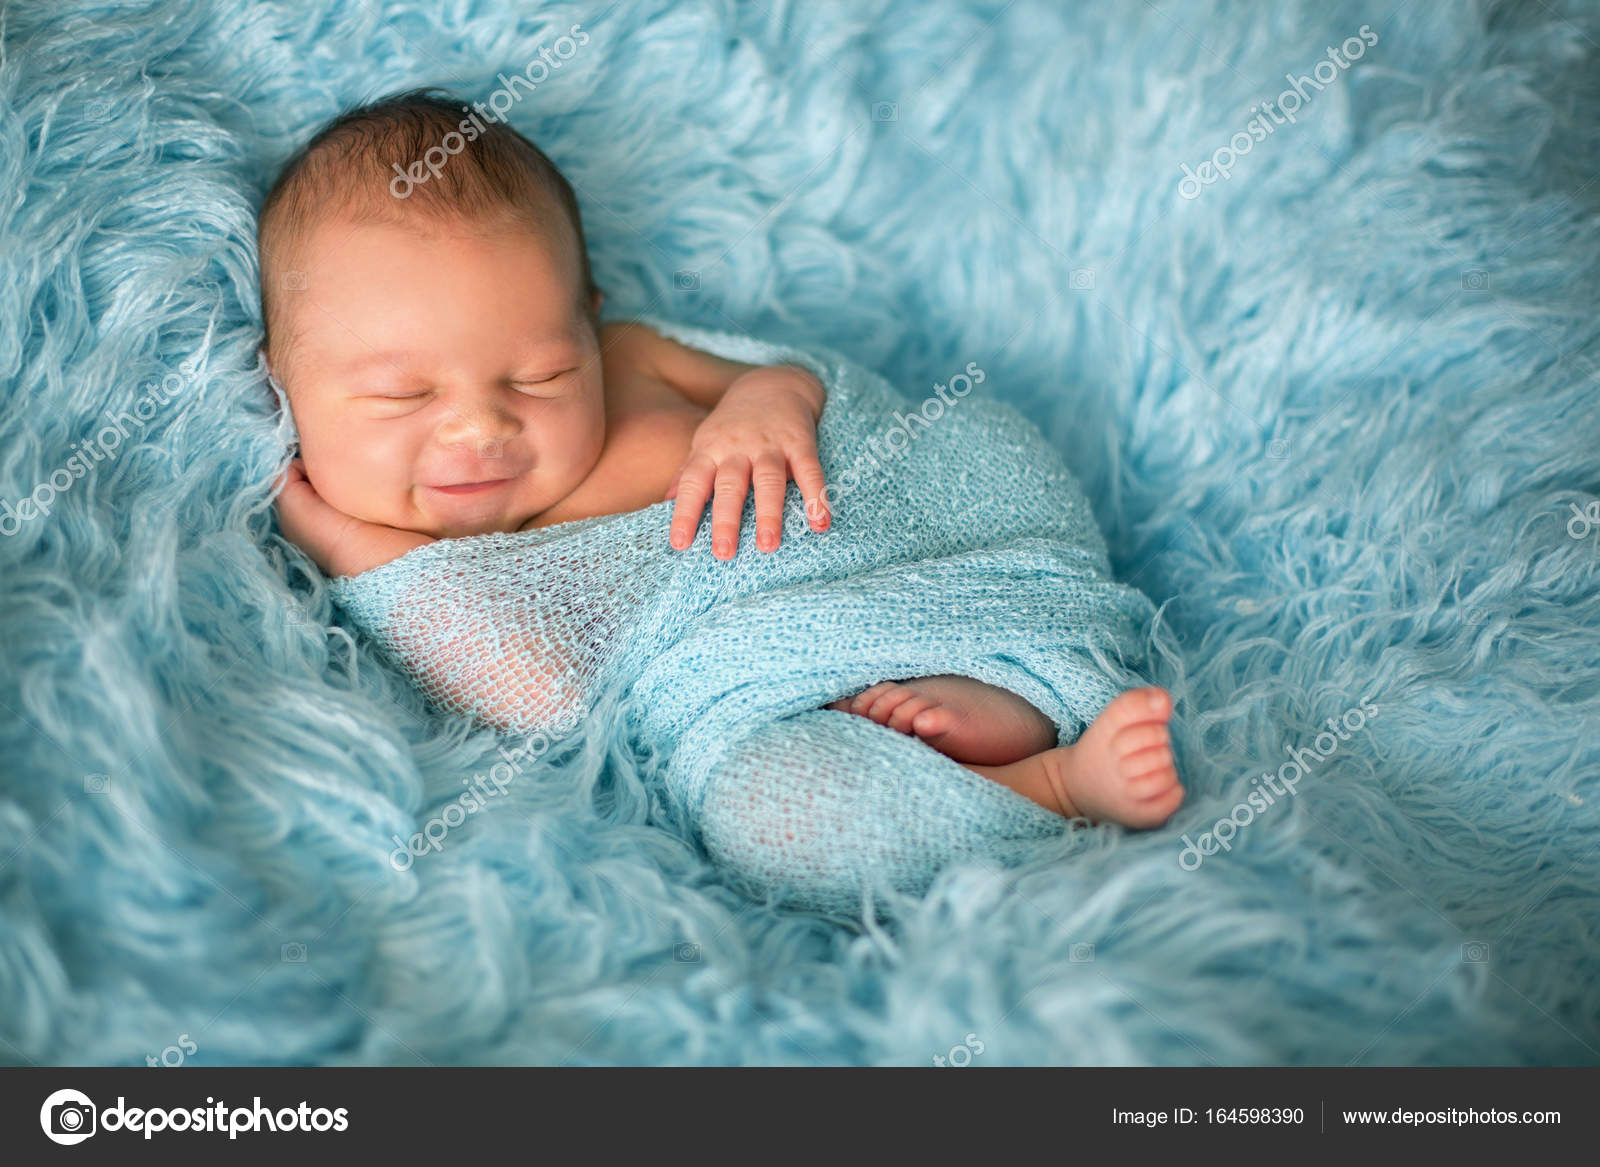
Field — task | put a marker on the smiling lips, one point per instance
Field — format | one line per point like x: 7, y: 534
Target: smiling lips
x: 471, y: 487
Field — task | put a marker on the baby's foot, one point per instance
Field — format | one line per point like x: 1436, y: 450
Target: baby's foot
x: 963, y: 718
x: 1119, y: 771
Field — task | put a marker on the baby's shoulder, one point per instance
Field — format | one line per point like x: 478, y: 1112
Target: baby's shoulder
x: 627, y: 345
x: 625, y: 332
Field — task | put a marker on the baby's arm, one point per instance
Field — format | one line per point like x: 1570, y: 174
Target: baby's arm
x: 761, y: 432
x: 337, y: 542
x: 705, y: 378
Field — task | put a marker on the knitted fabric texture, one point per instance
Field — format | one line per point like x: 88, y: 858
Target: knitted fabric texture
x: 959, y: 544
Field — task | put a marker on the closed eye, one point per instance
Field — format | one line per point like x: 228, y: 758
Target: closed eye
x: 519, y: 382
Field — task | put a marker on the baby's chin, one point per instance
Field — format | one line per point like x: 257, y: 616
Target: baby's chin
x: 461, y: 521
x: 504, y: 510
x: 463, y: 529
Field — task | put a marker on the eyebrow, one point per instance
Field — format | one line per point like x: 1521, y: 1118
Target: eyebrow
x: 367, y: 360
x: 404, y: 361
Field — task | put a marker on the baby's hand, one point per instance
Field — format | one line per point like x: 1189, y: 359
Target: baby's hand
x: 337, y: 542
x: 762, y: 433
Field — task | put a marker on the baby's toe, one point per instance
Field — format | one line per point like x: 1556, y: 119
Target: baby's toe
x: 1152, y: 783
x: 1135, y: 746
x: 1147, y: 761
x: 905, y: 714
x: 932, y: 722
x: 1150, y: 705
x: 883, y: 707
x: 863, y: 700
x: 1153, y: 812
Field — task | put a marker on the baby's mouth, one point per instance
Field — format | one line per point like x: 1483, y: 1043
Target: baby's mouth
x: 481, y: 487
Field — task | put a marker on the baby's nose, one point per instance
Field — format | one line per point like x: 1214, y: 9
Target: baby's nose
x: 477, y: 423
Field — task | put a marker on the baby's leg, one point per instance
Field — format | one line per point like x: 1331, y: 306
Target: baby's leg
x: 819, y: 803
x: 961, y: 717
x: 1119, y: 771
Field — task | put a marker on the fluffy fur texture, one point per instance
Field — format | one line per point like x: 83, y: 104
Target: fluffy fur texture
x: 1333, y: 415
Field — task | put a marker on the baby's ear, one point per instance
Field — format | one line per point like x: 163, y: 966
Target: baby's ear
x: 274, y: 383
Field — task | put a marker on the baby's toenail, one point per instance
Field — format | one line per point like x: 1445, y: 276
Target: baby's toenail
x: 1156, y: 702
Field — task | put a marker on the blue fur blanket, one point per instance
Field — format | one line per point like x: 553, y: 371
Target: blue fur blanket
x: 1308, y: 310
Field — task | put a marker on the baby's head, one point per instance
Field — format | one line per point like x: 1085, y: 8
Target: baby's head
x: 435, y: 333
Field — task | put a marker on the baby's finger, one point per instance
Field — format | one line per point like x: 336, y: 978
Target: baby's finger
x: 771, y: 482
x: 672, y: 491
x: 727, y: 507
x: 808, y: 477
x: 694, y: 490
x: 294, y: 472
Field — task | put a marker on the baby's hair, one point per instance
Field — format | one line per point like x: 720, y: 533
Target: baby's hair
x: 355, y: 163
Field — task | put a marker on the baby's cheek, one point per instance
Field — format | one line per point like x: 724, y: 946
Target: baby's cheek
x: 570, y: 451
x: 367, y: 475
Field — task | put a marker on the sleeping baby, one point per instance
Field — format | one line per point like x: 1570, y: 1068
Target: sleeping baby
x: 512, y: 497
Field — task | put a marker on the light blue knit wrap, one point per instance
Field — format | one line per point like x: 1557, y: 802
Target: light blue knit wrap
x: 959, y: 544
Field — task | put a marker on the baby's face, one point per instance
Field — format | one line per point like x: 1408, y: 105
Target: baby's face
x: 443, y: 380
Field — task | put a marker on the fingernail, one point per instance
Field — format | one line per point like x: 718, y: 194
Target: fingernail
x: 721, y: 548
x: 1157, y: 702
